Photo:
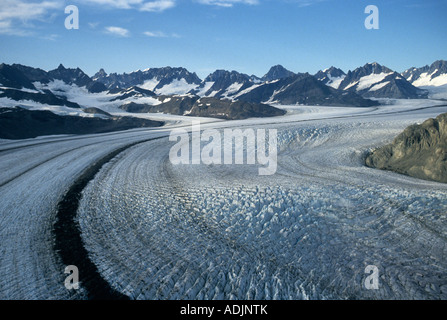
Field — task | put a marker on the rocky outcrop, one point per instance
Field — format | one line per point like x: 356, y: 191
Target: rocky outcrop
x: 19, y: 123
x: 233, y: 110
x: 193, y: 105
x: 43, y: 97
x: 419, y: 151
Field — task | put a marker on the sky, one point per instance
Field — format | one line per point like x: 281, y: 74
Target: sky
x: 202, y: 36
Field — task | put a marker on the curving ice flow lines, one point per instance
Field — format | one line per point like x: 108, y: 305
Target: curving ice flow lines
x: 139, y: 227
x: 164, y: 231
x: 68, y: 241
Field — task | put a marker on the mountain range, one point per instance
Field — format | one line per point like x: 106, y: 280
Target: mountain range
x: 369, y: 81
x: 233, y: 95
x: 432, y: 78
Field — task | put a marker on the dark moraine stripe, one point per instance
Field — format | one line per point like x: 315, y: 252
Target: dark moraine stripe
x: 68, y: 240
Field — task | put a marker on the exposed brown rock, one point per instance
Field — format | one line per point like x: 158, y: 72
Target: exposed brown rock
x: 419, y: 151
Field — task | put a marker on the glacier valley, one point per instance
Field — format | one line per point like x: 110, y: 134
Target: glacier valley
x: 156, y: 230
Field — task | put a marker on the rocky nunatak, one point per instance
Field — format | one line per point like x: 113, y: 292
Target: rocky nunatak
x: 419, y: 151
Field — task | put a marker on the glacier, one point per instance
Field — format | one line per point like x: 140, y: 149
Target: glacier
x: 161, y: 231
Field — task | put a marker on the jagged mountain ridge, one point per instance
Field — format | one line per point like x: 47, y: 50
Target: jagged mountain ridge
x: 277, y: 72
x: 19, y: 76
x: 153, y: 79
x: 432, y: 78
x: 371, y: 80
x: 12, y: 77
x: 427, y: 74
x: 227, y: 94
x: 223, y: 83
x: 306, y: 90
x: 376, y: 81
x: 332, y: 76
x: 35, y: 90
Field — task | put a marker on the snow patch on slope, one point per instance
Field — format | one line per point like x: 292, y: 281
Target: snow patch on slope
x: 426, y: 79
x: 150, y: 84
x: 233, y: 88
x: 334, y: 82
x: 205, y: 88
x: 176, y: 87
x: 379, y: 86
x: 368, y: 81
x: 73, y: 93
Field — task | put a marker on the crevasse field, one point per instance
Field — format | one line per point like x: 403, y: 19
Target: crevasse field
x: 161, y: 231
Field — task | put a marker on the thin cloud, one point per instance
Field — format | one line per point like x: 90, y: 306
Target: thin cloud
x: 305, y: 3
x: 93, y: 25
x: 117, y: 31
x: 7, y: 29
x: 160, y: 34
x: 157, y: 6
x: 17, y: 15
x: 141, y: 5
x: 228, y: 3
x: 51, y: 37
x: 155, y: 34
x: 118, y: 4
x: 18, y: 9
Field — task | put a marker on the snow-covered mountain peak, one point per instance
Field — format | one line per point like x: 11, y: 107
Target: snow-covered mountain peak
x: 378, y: 81
x: 331, y: 76
x: 433, y: 75
x: 432, y: 78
